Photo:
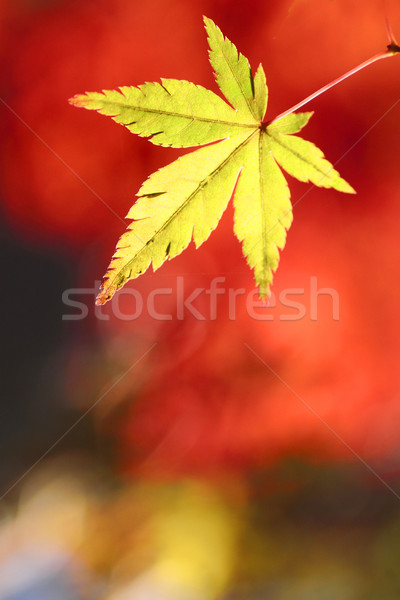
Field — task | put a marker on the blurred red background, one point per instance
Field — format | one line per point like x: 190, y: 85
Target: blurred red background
x: 202, y: 375
x: 200, y: 403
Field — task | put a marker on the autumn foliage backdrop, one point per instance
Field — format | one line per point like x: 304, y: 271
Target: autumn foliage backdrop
x: 201, y: 404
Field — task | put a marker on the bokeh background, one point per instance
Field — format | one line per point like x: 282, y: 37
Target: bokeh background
x: 198, y: 472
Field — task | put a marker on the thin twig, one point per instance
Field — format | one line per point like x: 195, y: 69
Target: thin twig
x: 392, y: 49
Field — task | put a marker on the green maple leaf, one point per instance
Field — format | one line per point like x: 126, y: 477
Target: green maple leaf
x: 186, y: 199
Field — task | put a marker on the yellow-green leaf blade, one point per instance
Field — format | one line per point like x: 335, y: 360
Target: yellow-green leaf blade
x: 233, y: 74
x: 178, y: 203
x: 172, y: 113
x: 185, y: 200
x: 263, y: 211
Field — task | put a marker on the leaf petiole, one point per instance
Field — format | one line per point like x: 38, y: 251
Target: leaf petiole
x: 392, y: 50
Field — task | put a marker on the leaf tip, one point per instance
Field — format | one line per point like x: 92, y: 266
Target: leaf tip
x: 346, y: 187
x: 103, y: 296
x: 264, y: 293
x: 211, y: 27
x: 78, y: 100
